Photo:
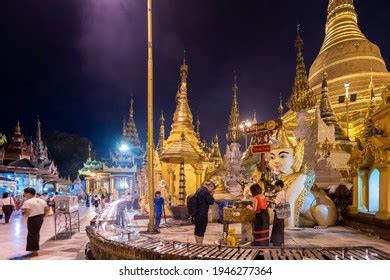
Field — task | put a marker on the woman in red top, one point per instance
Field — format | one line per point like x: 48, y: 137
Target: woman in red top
x: 261, y: 225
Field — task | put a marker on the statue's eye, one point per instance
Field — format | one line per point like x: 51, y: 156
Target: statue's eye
x: 283, y: 156
x: 272, y: 157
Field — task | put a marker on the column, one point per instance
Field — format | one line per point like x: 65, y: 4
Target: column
x: 363, y: 199
x: 111, y: 187
x: 354, y: 208
x: 384, y: 193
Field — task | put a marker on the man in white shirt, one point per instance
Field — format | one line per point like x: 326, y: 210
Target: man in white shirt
x: 34, y: 209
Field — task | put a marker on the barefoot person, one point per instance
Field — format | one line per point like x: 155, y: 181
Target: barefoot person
x: 277, y: 235
x: 204, y: 198
x: 261, y: 225
x: 34, y: 209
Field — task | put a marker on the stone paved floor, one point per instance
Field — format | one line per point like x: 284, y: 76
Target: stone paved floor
x: 12, y: 237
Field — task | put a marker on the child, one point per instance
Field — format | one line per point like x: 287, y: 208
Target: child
x: 158, y: 207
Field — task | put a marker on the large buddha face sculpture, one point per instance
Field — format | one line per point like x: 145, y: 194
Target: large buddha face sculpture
x: 281, y: 160
x: 284, y: 157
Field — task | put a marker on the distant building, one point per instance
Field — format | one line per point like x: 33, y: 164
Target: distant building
x: 116, y: 175
x: 25, y: 165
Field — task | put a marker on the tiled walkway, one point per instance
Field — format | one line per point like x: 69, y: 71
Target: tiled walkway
x: 13, y: 238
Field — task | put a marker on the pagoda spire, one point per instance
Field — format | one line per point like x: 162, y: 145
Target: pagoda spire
x: 326, y: 111
x: 368, y: 125
x: 89, y: 153
x: 254, y: 120
x: 197, y: 127
x: 341, y: 24
x: 280, y: 108
x: 17, y: 128
x: 216, y: 152
x: 131, y: 133
x: 234, y: 119
x: 302, y: 96
x: 40, y: 151
x: 182, y: 118
x: 162, y: 133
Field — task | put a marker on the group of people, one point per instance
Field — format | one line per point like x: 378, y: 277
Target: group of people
x: 204, y: 196
x: 260, y: 207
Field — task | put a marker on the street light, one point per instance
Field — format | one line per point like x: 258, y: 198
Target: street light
x: 346, y: 85
x: 244, y: 125
x: 123, y: 148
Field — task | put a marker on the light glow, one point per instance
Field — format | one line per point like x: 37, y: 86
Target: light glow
x: 123, y: 148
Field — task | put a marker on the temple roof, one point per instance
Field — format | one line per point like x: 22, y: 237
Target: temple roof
x: 181, y: 151
x: 22, y: 163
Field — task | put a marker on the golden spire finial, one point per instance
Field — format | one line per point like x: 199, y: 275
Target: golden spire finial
x: 184, y: 71
x: 162, y: 133
x: 197, y: 127
x: 124, y: 127
x: 302, y: 96
x: 131, y: 105
x: 182, y: 118
x: 280, y: 108
x: 234, y: 120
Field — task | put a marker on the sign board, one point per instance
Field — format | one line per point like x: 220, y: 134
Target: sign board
x: 264, y: 126
x: 258, y: 149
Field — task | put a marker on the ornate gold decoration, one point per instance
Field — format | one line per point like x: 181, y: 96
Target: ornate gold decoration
x: 309, y: 182
x: 302, y: 96
x: 282, y: 140
x: 298, y: 156
x: 161, y: 137
x: 326, y: 110
x: 234, y: 120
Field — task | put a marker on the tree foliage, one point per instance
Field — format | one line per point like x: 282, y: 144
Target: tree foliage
x: 69, y: 152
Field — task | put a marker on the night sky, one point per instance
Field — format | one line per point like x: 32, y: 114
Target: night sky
x: 75, y: 62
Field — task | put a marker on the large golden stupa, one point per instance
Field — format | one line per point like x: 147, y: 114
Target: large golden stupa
x: 347, y: 56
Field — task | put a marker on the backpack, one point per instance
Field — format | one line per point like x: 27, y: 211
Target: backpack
x: 192, y: 204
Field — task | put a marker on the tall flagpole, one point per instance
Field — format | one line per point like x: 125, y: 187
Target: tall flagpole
x: 151, y: 226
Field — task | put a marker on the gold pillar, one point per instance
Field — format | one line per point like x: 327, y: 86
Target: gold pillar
x: 384, y: 193
x: 111, y: 187
x: 171, y: 182
x: 198, y: 173
x: 151, y: 226
x: 354, y: 208
x: 87, y: 186
x: 363, y: 174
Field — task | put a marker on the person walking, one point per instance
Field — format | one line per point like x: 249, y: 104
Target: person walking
x: 204, y: 196
x: 261, y: 225
x: 158, y: 207
x: 277, y: 236
x: 8, y: 206
x: 34, y: 209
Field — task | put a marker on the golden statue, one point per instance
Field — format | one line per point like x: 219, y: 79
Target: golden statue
x: 308, y: 207
x: 231, y: 239
x: 144, y: 204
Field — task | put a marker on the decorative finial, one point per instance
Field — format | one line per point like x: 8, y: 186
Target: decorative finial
x: 184, y: 57
x: 254, y: 117
x: 17, y: 128
x: 89, y: 152
x: 280, y: 108
x: 298, y: 29
x: 131, y: 105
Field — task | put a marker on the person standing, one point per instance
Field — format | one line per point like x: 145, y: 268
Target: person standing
x: 34, y: 209
x: 129, y: 201
x: 8, y: 206
x: 103, y: 201
x: 158, y: 207
x: 277, y: 236
x: 261, y: 225
x: 205, y: 198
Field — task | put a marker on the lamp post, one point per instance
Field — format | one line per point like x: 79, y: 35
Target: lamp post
x: 346, y: 85
x: 151, y: 225
x: 243, y: 125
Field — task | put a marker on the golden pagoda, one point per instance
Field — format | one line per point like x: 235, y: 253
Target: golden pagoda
x: 347, y: 56
x: 182, y: 146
